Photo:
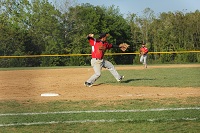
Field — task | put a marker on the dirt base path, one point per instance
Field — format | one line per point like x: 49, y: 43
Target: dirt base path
x: 30, y: 84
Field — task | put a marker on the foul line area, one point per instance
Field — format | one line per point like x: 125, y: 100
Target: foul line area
x: 97, y: 121
x: 56, y: 55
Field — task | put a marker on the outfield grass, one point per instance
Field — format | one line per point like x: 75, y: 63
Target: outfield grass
x: 119, y: 116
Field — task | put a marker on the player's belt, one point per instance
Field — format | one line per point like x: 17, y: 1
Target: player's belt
x: 97, y: 59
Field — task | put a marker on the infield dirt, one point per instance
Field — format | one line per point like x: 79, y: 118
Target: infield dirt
x: 68, y: 82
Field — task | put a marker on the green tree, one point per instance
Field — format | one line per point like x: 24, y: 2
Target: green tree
x: 84, y: 19
x: 39, y: 27
x: 46, y: 31
x: 12, y: 32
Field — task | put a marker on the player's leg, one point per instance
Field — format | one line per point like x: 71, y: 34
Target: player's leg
x: 112, y: 70
x: 145, y: 61
x: 97, y: 65
x: 142, y: 58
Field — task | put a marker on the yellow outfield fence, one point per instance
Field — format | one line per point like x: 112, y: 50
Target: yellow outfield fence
x: 54, y: 55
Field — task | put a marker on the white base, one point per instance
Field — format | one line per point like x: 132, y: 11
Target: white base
x: 49, y: 94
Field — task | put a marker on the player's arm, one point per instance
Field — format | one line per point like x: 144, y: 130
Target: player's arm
x: 146, y: 51
x: 91, y: 39
x: 90, y: 36
x: 115, y: 46
x: 122, y: 46
x: 141, y: 52
x: 109, y: 46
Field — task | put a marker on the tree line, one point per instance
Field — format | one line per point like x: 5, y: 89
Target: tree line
x: 38, y: 27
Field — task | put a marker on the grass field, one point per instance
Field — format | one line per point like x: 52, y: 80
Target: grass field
x: 160, y: 77
x: 180, y: 115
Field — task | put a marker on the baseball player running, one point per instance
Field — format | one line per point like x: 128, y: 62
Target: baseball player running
x: 99, y: 46
x: 143, y: 55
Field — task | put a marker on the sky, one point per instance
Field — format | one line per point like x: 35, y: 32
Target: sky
x: 137, y: 6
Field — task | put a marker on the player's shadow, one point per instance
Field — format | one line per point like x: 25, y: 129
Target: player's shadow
x: 98, y: 84
x: 138, y: 79
x: 125, y: 81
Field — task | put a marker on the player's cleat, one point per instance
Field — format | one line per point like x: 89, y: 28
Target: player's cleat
x: 120, y: 79
x: 88, y: 84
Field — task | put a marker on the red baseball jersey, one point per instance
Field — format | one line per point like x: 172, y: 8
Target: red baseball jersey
x: 97, y: 45
x: 144, y: 50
